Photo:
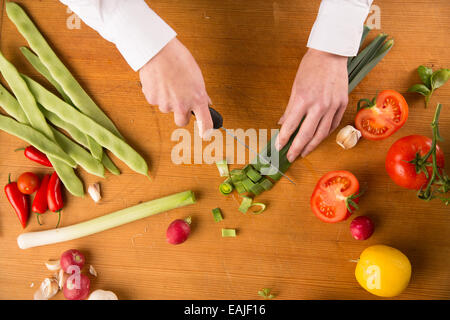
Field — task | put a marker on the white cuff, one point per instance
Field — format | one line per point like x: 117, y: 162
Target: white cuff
x: 139, y: 33
x: 339, y: 26
x: 136, y: 30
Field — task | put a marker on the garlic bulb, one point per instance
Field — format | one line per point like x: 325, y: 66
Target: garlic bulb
x: 94, y: 192
x: 348, y: 137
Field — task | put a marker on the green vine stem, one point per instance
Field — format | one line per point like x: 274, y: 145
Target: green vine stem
x: 438, y: 176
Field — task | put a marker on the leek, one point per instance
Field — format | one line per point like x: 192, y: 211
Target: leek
x: 245, y: 204
x: 217, y: 214
x: 259, y: 204
x: 226, y: 187
x: 222, y: 166
x: 253, y: 174
x: 266, y: 184
x: 228, y: 232
x: 239, y: 187
x: 109, y: 221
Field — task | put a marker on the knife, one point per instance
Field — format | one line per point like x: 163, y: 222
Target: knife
x: 217, y: 120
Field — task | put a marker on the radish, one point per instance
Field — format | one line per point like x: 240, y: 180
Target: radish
x: 178, y: 231
x: 70, y: 258
x: 361, y: 228
x: 77, y: 287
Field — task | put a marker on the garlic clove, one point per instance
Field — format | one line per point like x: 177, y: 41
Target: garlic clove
x: 48, y: 288
x: 61, y: 278
x: 102, y: 295
x: 92, y: 270
x: 53, y: 265
x: 94, y: 192
x: 348, y: 137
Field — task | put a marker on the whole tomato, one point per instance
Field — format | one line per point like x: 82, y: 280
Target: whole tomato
x: 404, y: 150
x: 28, y: 182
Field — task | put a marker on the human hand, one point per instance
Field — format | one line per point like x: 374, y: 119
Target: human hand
x: 320, y: 94
x: 172, y: 80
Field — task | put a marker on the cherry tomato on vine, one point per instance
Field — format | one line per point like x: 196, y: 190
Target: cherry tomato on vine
x: 383, y: 116
x: 399, y: 166
x: 335, y: 196
x: 28, y: 182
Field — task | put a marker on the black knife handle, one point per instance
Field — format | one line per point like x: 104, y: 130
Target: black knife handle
x: 217, y: 118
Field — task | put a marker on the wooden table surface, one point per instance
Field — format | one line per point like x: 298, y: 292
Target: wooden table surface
x: 249, y: 52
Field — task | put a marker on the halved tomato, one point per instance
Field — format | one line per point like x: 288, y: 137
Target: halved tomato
x: 335, y: 196
x: 383, y: 116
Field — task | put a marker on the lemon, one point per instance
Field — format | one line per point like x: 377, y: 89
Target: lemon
x: 383, y: 271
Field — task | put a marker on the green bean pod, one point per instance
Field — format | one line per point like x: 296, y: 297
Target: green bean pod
x: 94, y: 147
x: 79, y: 137
x: 34, y: 137
x: 57, y: 69
x: 24, y: 96
x: 88, y: 126
x: 79, y: 154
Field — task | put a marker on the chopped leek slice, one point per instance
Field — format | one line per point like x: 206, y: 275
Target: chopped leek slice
x: 257, y: 189
x: 266, y: 184
x: 262, y: 205
x: 226, y: 187
x: 245, y: 204
x: 253, y: 174
x: 217, y: 214
x: 239, y: 187
x: 222, y: 165
x: 237, y: 175
x: 248, y: 184
x: 228, y: 233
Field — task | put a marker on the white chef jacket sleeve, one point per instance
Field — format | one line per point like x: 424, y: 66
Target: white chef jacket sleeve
x: 136, y: 30
x: 339, y: 25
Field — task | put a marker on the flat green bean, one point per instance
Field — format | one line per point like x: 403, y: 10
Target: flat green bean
x: 108, y: 164
x: 79, y: 154
x: 88, y: 126
x: 94, y: 147
x: 65, y: 172
x: 24, y: 96
x: 79, y: 137
x: 34, y: 137
x: 57, y: 69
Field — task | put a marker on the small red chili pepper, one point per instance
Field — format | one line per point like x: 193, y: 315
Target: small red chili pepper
x: 54, y: 195
x: 40, y: 204
x: 18, y: 201
x: 37, y: 156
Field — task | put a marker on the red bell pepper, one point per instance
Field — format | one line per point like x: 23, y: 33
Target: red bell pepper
x: 40, y: 204
x: 37, y: 156
x: 54, y: 195
x: 18, y: 201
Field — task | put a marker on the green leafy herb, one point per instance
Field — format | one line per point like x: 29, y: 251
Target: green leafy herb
x: 430, y: 81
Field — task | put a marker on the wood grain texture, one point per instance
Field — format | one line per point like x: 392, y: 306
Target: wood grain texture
x: 249, y: 52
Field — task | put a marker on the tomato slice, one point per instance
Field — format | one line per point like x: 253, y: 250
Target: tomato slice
x: 384, y: 118
x: 329, y: 198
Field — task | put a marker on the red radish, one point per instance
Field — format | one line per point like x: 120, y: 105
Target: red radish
x: 77, y: 287
x: 178, y: 231
x: 361, y: 228
x: 72, y: 257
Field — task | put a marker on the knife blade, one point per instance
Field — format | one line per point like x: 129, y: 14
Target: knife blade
x: 218, y: 124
